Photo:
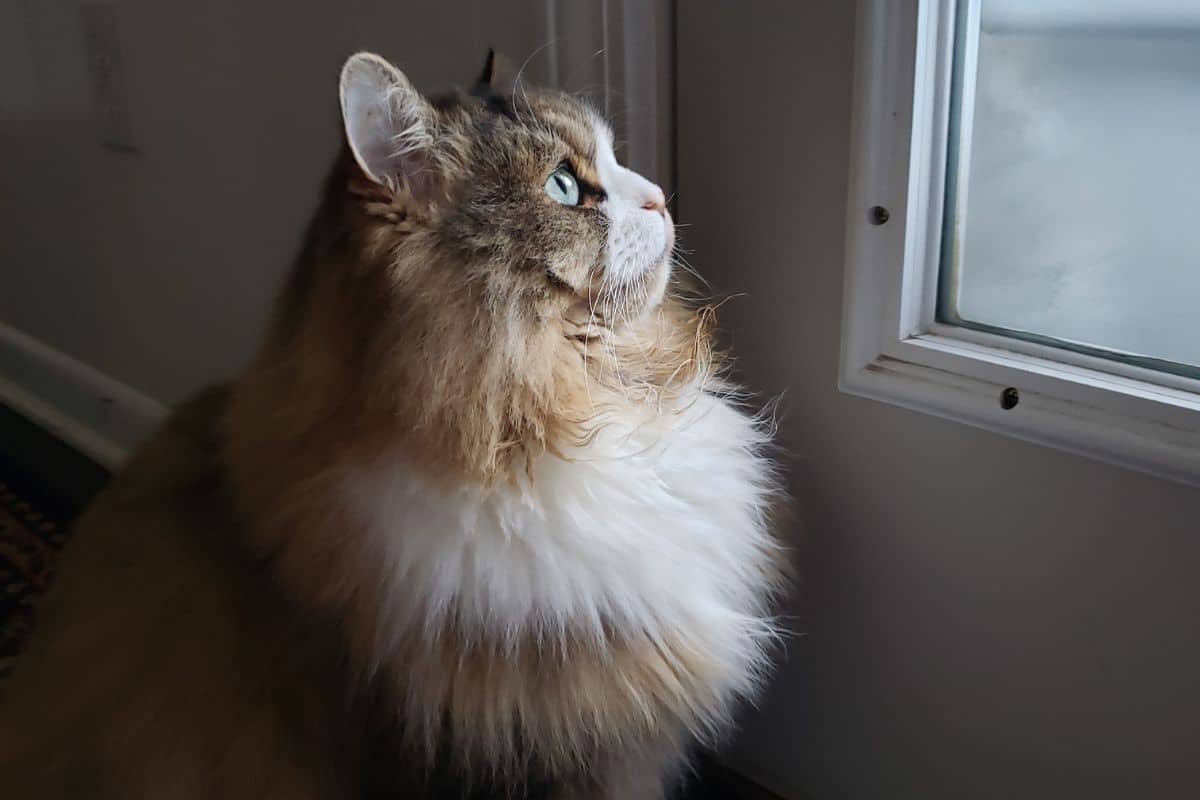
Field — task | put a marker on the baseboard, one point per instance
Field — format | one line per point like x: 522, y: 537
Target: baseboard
x: 92, y: 412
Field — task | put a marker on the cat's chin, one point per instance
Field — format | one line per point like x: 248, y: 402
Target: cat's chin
x: 633, y: 298
x: 644, y: 294
x: 658, y: 280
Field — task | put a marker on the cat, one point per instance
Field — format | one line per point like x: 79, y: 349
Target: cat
x: 481, y: 516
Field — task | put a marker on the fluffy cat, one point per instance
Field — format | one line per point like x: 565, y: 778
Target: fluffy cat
x: 481, y: 516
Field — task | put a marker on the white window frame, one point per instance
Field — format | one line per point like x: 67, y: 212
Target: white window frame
x: 893, y: 347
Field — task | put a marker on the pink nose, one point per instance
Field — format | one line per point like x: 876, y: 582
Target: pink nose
x: 655, y: 201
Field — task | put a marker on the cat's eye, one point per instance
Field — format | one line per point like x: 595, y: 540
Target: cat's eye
x: 562, y: 187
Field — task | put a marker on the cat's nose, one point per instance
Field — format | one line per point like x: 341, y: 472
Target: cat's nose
x: 654, y: 199
x: 646, y: 194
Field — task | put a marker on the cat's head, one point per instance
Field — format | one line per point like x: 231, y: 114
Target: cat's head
x: 518, y: 189
x: 483, y: 275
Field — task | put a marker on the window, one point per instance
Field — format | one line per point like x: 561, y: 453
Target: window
x: 1073, y: 175
x: 1024, y: 245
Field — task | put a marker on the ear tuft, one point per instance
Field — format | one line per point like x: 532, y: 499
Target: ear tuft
x: 387, y: 121
x: 497, y: 76
x: 484, y: 84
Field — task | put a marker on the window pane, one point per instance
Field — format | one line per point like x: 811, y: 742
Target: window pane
x: 1076, y: 200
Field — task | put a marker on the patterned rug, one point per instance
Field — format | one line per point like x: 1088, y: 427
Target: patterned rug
x: 29, y: 542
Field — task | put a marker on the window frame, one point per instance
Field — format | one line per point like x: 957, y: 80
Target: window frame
x: 895, y: 350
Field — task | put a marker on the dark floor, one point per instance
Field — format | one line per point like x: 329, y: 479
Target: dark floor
x: 29, y: 543
x: 44, y: 484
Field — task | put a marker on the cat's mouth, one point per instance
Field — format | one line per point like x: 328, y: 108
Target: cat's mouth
x: 607, y: 283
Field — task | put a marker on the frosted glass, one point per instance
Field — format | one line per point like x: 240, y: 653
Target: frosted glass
x: 1081, y: 215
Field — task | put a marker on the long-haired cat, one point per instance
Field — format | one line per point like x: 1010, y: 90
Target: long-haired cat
x: 481, y: 516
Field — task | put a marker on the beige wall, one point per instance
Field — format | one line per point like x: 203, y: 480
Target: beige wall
x: 984, y: 618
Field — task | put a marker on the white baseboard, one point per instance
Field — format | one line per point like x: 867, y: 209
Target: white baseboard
x: 96, y: 414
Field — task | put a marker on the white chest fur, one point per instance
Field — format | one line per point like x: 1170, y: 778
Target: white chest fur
x: 657, y: 528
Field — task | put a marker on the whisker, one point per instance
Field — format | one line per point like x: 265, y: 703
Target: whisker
x: 517, y: 81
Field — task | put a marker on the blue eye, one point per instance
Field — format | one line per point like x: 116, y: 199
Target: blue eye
x: 562, y: 188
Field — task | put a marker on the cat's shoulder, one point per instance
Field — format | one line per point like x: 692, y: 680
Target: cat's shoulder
x: 169, y: 501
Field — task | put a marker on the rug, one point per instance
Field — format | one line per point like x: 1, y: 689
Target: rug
x: 29, y: 544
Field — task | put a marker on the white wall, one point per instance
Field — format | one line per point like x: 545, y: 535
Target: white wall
x: 158, y: 268
x: 985, y: 618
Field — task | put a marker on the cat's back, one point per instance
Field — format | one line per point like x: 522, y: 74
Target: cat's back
x: 162, y: 655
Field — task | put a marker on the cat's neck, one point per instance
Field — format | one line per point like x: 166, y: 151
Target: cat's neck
x: 345, y: 376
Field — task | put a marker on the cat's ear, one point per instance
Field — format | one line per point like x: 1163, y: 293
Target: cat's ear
x: 388, y: 123
x: 496, y: 77
x: 484, y: 84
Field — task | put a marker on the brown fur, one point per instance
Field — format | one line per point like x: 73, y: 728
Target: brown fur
x: 164, y: 664
x: 216, y: 631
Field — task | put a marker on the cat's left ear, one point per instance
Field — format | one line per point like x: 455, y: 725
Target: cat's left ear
x: 497, y: 76
x: 483, y: 84
x: 388, y: 123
